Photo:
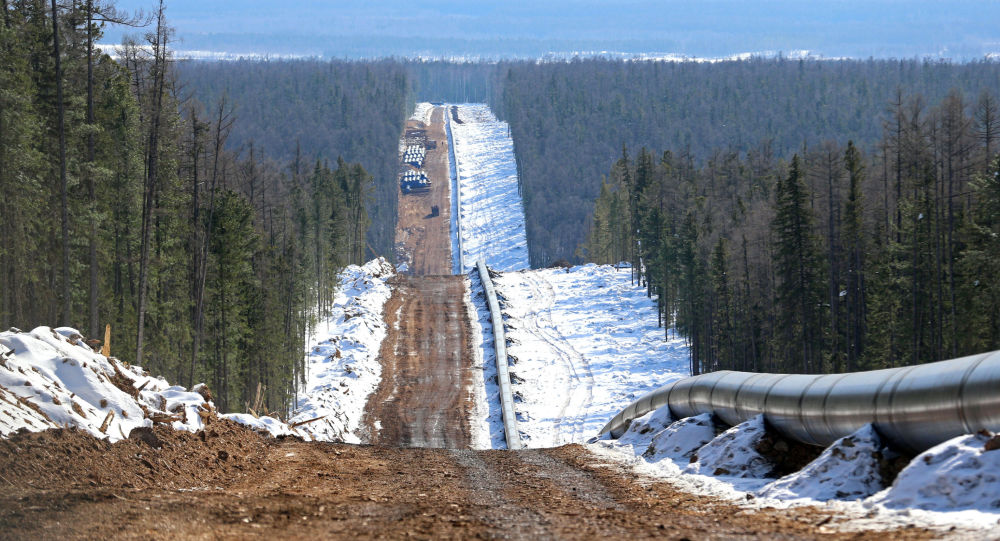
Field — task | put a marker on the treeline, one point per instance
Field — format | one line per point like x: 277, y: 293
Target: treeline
x: 569, y: 120
x: 313, y: 109
x: 122, y: 206
x: 835, y: 260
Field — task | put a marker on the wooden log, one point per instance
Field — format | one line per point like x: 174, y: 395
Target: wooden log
x: 300, y: 423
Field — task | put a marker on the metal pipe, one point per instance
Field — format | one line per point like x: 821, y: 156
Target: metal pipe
x: 914, y: 407
x: 511, y: 434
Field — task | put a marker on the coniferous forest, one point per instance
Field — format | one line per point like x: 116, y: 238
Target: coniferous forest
x: 838, y: 259
x: 797, y: 215
x: 124, y: 204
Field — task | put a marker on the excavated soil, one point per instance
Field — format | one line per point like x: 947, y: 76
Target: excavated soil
x: 235, y: 484
x: 422, y: 237
x: 426, y: 396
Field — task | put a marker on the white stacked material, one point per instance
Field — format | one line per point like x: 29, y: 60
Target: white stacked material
x: 490, y: 206
x: 342, y: 364
x: 414, y: 155
x: 50, y: 378
x: 583, y: 342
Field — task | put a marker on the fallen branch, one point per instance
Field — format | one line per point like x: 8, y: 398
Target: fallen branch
x: 300, y: 423
x: 107, y: 421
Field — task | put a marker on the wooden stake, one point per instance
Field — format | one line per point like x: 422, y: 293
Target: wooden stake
x: 106, y: 350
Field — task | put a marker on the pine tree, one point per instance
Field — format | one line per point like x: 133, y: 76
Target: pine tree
x: 798, y: 270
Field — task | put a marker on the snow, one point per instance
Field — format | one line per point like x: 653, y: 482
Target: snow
x: 50, y: 378
x: 583, y: 343
x: 950, y: 488
x: 487, y: 419
x: 342, y: 365
x: 490, y: 208
x: 422, y: 112
x: 847, y: 470
x: 682, y: 439
x: 957, y: 474
x: 733, y: 453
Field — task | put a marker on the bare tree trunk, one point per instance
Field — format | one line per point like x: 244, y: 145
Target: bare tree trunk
x: 94, y: 324
x: 159, y: 74
x: 63, y: 189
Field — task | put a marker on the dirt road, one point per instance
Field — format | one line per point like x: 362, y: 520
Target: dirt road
x: 423, y: 240
x: 233, y: 484
x: 426, y: 395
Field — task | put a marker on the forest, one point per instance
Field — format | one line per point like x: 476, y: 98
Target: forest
x: 841, y: 257
x: 124, y: 205
x: 569, y: 120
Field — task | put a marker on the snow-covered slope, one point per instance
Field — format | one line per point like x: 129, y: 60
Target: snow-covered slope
x: 342, y: 364
x: 490, y: 208
x: 584, y: 342
x: 50, y: 378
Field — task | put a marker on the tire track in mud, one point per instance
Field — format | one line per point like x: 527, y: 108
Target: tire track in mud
x: 426, y: 395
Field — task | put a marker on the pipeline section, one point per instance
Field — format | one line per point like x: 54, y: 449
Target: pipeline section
x: 511, y: 434
x: 458, y: 261
x: 914, y: 408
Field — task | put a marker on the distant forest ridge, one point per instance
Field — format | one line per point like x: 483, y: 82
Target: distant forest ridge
x: 958, y: 29
x: 569, y: 120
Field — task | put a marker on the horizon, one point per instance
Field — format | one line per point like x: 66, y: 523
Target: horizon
x: 481, y: 30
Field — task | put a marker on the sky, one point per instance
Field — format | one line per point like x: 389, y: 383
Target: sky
x: 954, y: 29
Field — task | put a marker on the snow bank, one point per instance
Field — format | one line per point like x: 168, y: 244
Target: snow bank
x: 50, y: 378
x: 342, y: 364
x: 641, y: 431
x: 957, y: 474
x: 734, y: 452
x: 953, y: 488
x: 681, y: 439
x: 490, y: 206
x: 847, y: 470
x: 422, y: 112
x: 583, y: 342
x: 272, y: 426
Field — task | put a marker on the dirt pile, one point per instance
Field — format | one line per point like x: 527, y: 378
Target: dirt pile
x: 159, y: 456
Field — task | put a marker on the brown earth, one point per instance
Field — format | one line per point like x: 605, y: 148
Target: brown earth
x: 423, y: 239
x: 234, y: 484
x: 426, y: 396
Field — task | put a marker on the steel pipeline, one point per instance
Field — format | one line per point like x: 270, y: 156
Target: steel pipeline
x: 914, y: 407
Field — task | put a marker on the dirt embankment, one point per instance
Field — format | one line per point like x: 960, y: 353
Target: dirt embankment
x: 426, y: 395
x: 237, y: 485
x: 423, y: 238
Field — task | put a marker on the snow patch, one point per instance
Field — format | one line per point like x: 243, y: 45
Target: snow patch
x: 847, y: 470
x: 955, y: 475
x: 681, y: 439
x: 50, y: 378
x: 733, y: 453
x: 583, y: 343
x: 422, y: 112
x: 342, y: 364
